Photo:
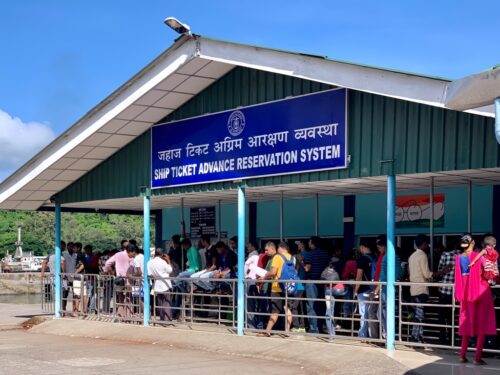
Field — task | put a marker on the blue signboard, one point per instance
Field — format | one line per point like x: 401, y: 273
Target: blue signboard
x: 301, y: 134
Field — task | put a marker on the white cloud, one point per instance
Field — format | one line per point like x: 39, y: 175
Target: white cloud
x: 19, y: 141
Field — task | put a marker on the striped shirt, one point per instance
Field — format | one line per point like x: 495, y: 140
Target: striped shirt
x: 448, y: 259
x: 319, y: 260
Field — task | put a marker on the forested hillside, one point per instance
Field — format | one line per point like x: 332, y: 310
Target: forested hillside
x: 103, y: 231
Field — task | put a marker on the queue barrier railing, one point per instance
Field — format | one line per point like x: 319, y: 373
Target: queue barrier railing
x: 441, y: 320
x: 110, y: 298
x: 48, y: 294
x: 325, y: 309
x: 189, y: 303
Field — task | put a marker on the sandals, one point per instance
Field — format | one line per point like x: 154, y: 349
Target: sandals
x: 479, y: 362
x: 264, y: 334
x: 476, y: 362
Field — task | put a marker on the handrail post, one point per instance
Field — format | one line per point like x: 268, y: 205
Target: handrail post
x: 147, y: 236
x: 241, y: 258
x: 57, y: 271
x: 391, y: 261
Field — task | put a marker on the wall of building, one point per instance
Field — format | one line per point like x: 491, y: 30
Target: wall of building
x: 370, y: 214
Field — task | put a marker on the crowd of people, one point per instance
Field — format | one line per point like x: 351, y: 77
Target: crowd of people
x: 322, y: 284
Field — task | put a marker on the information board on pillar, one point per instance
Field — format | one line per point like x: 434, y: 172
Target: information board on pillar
x: 301, y: 134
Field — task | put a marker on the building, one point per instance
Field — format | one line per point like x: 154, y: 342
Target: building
x: 416, y: 133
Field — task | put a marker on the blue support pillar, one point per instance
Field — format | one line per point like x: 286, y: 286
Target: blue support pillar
x: 241, y: 258
x: 158, y: 228
x: 391, y: 261
x: 147, y: 236
x: 252, y: 221
x: 349, y: 225
x: 496, y: 213
x: 57, y: 271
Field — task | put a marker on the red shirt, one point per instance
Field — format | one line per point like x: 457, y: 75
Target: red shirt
x: 350, y: 268
x: 263, y: 259
x: 379, y: 267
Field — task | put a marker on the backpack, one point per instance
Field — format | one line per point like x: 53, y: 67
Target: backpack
x: 288, y: 272
x: 330, y: 274
x: 373, y: 264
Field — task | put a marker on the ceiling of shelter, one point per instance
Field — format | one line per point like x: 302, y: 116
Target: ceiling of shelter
x: 162, y: 99
x: 304, y: 190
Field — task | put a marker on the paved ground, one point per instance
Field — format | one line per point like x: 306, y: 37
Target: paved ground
x: 12, y: 315
x: 22, y: 353
x: 314, y: 356
x: 85, y: 347
x: 442, y: 363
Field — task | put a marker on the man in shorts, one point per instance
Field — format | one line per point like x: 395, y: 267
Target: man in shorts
x: 279, y: 307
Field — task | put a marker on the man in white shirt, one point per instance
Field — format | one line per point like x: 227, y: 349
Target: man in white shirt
x: 160, y: 268
x: 139, y: 264
x: 251, y: 272
x: 137, y: 289
x: 50, y: 263
x: 418, y: 266
x: 69, y: 261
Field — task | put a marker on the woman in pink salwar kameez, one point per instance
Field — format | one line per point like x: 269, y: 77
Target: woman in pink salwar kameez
x: 477, y: 313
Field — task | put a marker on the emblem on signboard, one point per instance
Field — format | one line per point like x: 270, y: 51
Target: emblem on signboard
x: 236, y: 123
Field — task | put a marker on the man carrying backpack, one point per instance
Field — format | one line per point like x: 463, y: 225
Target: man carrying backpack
x: 367, y: 264
x: 332, y: 290
x: 282, y: 268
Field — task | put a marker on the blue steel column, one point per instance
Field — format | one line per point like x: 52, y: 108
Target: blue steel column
x: 147, y: 216
x: 241, y: 258
x: 158, y: 228
x: 57, y: 271
x: 391, y: 261
x: 349, y: 225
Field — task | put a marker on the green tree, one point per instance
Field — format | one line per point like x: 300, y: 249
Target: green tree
x: 103, y: 231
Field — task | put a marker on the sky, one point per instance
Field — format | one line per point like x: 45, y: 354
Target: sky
x: 58, y: 59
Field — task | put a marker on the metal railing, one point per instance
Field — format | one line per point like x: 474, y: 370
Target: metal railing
x: 316, y: 307
x: 48, y: 294
x: 440, y: 322
x: 190, y: 303
x: 315, y: 310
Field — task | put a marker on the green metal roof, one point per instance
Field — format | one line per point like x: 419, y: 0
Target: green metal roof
x: 385, y: 135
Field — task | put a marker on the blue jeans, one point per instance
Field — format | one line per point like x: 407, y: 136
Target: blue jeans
x: 253, y: 306
x: 311, y: 294
x: 330, y: 295
x: 368, y: 311
x: 209, y: 285
x: 347, y: 306
x: 91, y: 294
x: 382, y: 313
x: 181, y: 284
x: 417, y: 331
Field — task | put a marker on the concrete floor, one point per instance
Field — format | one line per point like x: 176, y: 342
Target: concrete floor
x: 68, y: 346
x: 22, y: 353
x: 12, y: 315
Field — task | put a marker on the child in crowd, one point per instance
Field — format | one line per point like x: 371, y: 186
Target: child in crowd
x: 490, y: 272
